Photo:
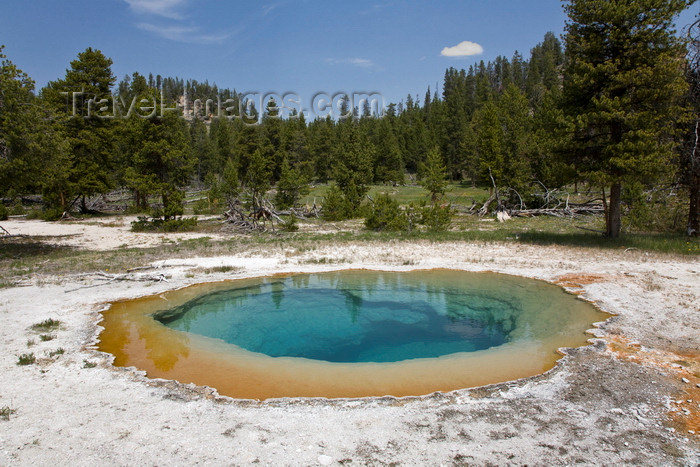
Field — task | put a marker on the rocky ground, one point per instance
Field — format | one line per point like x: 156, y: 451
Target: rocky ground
x: 632, y: 397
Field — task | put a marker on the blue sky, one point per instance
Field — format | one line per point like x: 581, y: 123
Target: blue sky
x: 304, y: 47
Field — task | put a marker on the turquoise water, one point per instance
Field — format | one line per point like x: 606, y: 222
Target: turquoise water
x: 410, y: 333
x: 355, y: 316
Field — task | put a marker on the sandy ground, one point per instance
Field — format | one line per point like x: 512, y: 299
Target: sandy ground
x: 105, y: 233
x: 632, y: 397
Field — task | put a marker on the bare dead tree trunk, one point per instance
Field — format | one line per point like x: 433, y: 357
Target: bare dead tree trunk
x: 693, y: 229
x: 693, y: 73
x: 494, y: 197
x: 613, y: 219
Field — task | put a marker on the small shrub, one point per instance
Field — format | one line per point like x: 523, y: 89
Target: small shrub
x: 33, y: 214
x: 46, y: 325
x: 17, y: 210
x: 173, y: 205
x: 335, y: 206
x: 386, y: 215
x: 89, y: 364
x: 26, y: 359
x: 291, y: 225
x: 5, y: 413
x: 180, y: 225
x: 291, y: 186
x: 58, y: 351
x: 437, y: 218
x: 4, y: 213
x: 223, y: 268
x: 51, y: 214
x: 47, y: 337
x: 202, y: 206
x: 30, y: 342
x: 142, y: 224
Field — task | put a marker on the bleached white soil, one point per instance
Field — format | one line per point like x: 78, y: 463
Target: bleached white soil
x: 622, y: 400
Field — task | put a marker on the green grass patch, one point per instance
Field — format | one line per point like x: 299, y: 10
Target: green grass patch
x: 219, y: 269
x: 46, y: 325
x: 26, y: 359
x: 53, y: 353
x: 33, y: 258
x: 456, y: 194
x: 652, y: 242
x: 47, y: 337
x: 5, y: 413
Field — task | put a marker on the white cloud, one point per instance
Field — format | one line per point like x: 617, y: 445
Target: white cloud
x: 267, y: 9
x: 164, y: 8
x: 463, y: 49
x: 186, y: 34
x: 359, y: 62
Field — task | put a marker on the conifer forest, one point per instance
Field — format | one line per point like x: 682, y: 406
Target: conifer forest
x: 610, y: 109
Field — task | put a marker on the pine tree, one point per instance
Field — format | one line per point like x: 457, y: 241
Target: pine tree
x: 322, y: 140
x: 256, y: 178
x: 78, y: 97
x: 229, y: 184
x: 292, y: 185
x: 162, y: 161
x: 203, y: 148
x: 353, y: 157
x: 433, y: 175
x: 295, y: 145
x: 458, y: 109
x: 271, y: 138
x: 550, y: 168
x: 623, y: 83
x: 488, y: 144
x: 32, y: 150
x: 388, y: 166
x: 221, y: 132
x: 515, y: 123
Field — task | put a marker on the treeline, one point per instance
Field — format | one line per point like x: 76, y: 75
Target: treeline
x: 93, y: 152
x: 613, y: 110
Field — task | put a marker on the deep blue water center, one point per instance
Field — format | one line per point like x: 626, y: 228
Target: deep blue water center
x: 349, y: 316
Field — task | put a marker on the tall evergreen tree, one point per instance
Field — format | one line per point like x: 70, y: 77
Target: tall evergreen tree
x: 203, y: 148
x: 32, y: 149
x: 353, y: 156
x: 162, y: 161
x: 322, y: 141
x: 221, y: 134
x: 256, y: 178
x: 79, y: 97
x: 516, y: 124
x: 389, y: 164
x: 292, y: 185
x: 433, y: 175
x: 271, y: 138
x: 623, y: 84
x: 295, y: 145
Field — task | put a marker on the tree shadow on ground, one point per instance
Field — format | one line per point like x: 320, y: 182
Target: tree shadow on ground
x: 658, y: 242
x: 25, y: 247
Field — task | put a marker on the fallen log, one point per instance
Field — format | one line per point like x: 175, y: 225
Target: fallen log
x: 571, y: 211
x: 110, y: 278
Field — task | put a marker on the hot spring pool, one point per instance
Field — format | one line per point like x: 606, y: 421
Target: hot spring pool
x: 349, y: 333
